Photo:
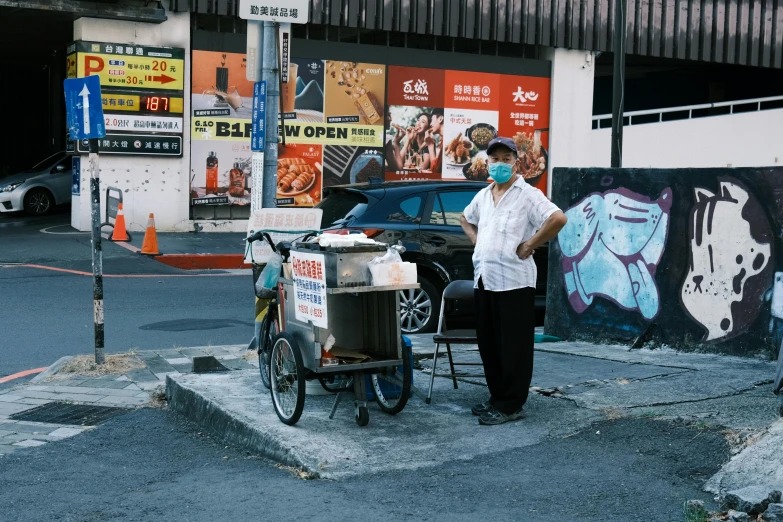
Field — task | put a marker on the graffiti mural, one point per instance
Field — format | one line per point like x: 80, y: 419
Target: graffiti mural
x: 611, y: 247
x: 730, y: 266
x: 687, y: 258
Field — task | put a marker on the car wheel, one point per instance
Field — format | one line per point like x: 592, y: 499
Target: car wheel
x: 419, y: 308
x: 38, y: 202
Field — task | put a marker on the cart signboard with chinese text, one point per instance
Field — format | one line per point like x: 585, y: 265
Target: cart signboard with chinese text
x: 309, y: 275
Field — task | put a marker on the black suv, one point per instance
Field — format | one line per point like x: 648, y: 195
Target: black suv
x: 424, y: 216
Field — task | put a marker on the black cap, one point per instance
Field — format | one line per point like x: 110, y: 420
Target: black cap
x: 505, y: 142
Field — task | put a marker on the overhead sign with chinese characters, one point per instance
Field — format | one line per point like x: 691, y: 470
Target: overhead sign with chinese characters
x: 291, y: 11
x: 129, y: 66
x: 144, y: 144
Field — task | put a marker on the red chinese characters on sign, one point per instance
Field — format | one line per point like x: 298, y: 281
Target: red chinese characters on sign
x: 308, y: 268
x: 471, y: 90
x: 415, y: 87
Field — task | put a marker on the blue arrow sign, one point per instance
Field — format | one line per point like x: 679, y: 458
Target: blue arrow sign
x: 84, y: 108
x: 258, y: 131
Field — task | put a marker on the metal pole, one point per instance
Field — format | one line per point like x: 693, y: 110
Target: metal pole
x: 97, y: 255
x: 618, y: 88
x: 269, y: 73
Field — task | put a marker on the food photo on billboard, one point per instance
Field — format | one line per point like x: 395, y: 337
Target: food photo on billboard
x: 413, y: 144
x: 299, y: 174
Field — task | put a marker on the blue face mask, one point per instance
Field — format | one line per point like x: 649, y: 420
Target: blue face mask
x: 500, y: 172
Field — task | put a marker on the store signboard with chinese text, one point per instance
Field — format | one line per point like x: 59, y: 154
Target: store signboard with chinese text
x: 286, y: 224
x: 290, y: 11
x: 309, y: 273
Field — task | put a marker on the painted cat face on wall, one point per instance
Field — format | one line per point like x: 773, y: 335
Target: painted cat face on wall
x: 730, y: 266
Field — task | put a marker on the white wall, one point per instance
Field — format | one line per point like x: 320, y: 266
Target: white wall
x: 752, y: 139
x: 149, y: 184
x: 571, y: 108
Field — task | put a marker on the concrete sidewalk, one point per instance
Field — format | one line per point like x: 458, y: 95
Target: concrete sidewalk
x: 131, y: 390
x: 574, y: 385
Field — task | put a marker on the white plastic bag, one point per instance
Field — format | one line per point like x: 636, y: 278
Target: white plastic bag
x: 391, y: 256
x: 266, y: 285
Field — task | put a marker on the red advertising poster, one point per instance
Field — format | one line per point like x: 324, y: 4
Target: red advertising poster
x: 470, y: 122
x: 299, y: 175
x: 414, y: 123
x: 524, y: 117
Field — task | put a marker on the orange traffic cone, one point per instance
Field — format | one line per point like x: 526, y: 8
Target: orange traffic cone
x: 150, y: 244
x: 119, y: 233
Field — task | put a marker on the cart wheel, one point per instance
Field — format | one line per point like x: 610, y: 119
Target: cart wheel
x: 363, y: 416
x: 336, y: 383
x: 393, y: 387
x: 287, y: 375
x: 265, y: 349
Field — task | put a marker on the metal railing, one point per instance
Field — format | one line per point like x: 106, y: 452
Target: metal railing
x: 702, y: 111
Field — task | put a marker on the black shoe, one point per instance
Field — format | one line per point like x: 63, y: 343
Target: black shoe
x: 481, y: 408
x: 495, y: 417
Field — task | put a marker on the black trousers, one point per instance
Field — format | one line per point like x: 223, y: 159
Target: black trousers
x: 505, y: 326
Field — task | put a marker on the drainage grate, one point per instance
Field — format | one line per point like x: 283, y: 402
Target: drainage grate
x: 74, y: 414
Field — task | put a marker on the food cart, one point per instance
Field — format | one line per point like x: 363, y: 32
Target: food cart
x: 338, y: 328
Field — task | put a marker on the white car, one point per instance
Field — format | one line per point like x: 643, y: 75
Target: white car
x: 39, y: 189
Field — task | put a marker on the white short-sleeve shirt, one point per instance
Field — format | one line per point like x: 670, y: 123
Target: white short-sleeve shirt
x: 520, y: 212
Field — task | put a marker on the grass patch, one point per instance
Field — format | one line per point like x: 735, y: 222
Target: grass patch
x: 695, y: 512
x: 119, y: 364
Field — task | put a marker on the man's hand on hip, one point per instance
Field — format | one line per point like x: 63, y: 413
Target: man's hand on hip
x: 524, y: 251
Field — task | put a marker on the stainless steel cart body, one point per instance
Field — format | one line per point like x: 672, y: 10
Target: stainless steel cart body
x: 328, y: 292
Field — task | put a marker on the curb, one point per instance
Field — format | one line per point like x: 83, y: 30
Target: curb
x: 203, y: 261
x: 230, y: 428
x: 51, y: 370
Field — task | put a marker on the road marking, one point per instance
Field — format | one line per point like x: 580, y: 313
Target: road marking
x: 22, y: 374
x: 127, y: 246
x: 46, y: 231
x: 89, y: 274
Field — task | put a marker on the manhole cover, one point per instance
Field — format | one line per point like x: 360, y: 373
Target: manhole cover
x: 74, y: 414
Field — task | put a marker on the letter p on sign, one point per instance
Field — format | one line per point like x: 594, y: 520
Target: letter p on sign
x: 93, y: 64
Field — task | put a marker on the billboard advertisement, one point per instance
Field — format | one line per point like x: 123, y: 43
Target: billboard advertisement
x: 221, y: 101
x: 346, y: 122
x: 439, y: 123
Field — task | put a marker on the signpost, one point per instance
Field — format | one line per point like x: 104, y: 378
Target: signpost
x: 84, y: 114
x: 264, y: 19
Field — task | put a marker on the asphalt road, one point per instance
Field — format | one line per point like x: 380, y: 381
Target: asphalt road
x: 151, y: 465
x: 47, y: 314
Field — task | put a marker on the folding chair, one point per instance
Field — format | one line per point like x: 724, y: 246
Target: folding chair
x: 455, y: 291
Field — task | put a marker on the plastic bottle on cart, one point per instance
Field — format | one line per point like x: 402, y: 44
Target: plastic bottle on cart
x: 212, y: 174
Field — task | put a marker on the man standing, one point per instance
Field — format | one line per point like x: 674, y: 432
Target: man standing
x: 506, y: 222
